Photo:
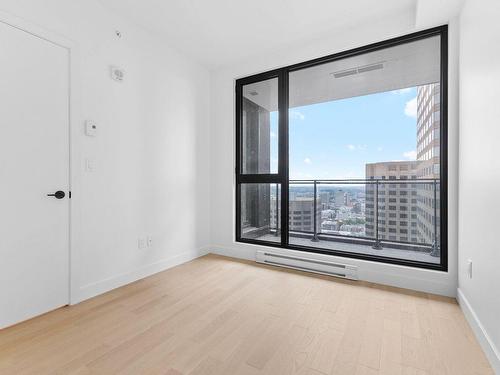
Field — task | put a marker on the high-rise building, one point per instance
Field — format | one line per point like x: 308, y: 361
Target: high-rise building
x: 339, y: 198
x: 348, y: 199
x: 397, y: 201
x: 301, y: 214
x: 421, y: 223
x: 324, y: 199
x: 428, y: 155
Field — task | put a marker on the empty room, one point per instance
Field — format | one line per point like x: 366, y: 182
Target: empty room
x: 266, y: 187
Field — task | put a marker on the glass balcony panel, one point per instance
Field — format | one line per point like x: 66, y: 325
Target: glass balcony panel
x: 350, y: 217
x: 260, y: 212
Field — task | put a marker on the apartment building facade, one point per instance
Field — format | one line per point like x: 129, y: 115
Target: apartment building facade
x: 301, y: 214
x: 392, y: 198
x: 428, y: 155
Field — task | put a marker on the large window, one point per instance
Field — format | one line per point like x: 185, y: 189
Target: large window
x: 346, y: 154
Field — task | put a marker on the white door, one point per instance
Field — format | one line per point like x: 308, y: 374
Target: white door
x: 34, y: 162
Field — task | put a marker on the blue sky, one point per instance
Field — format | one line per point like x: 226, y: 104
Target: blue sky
x: 335, y: 140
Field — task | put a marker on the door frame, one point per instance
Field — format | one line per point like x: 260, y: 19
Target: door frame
x: 73, y: 116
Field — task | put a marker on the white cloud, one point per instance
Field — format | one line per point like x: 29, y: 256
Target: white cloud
x: 410, y: 155
x: 296, y: 115
x: 356, y: 147
x: 380, y: 148
x: 307, y: 161
x: 411, y: 108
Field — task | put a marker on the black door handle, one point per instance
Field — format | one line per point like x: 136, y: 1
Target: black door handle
x: 58, y: 194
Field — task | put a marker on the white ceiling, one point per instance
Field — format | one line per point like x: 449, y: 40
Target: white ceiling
x: 219, y: 32
x: 407, y: 65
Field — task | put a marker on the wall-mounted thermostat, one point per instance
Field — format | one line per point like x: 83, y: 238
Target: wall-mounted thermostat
x: 90, y: 128
x: 116, y: 73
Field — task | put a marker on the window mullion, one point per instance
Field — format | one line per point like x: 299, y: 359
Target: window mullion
x: 283, y: 153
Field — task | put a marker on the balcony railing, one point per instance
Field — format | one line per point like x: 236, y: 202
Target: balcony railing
x: 420, y: 197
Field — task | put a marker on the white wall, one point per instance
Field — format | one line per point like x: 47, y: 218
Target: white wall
x: 222, y: 154
x: 479, y: 205
x: 151, y: 155
x: 157, y: 121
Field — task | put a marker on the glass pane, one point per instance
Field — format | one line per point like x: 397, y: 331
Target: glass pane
x: 260, y: 212
x: 260, y: 127
x: 301, y: 210
x: 340, y: 211
x: 366, y: 131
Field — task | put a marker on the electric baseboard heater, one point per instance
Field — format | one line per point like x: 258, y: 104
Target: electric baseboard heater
x: 308, y: 264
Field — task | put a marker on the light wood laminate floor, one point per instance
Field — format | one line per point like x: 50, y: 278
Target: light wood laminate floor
x: 222, y: 316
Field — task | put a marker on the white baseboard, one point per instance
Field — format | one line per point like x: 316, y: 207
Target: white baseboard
x: 427, y: 281
x: 246, y: 253
x: 103, y: 286
x: 482, y: 336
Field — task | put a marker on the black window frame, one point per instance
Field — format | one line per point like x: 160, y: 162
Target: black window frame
x: 282, y: 177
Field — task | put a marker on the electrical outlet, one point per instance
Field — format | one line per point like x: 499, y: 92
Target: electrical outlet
x: 469, y: 268
x: 141, y: 243
x: 150, y: 241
